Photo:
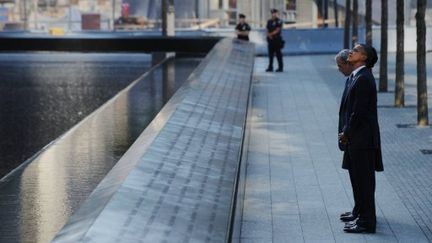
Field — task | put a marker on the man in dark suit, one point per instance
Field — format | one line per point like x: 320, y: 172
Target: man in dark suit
x: 360, y: 136
x: 346, y: 69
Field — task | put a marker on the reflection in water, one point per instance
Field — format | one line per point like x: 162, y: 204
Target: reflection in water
x: 37, y: 200
x: 43, y: 95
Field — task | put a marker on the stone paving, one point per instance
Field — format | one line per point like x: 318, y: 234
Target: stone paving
x: 295, y: 187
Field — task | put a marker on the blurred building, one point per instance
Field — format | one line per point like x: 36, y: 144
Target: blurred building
x: 76, y: 15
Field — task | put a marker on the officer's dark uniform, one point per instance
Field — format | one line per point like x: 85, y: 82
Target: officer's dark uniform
x: 243, y: 27
x: 275, y: 44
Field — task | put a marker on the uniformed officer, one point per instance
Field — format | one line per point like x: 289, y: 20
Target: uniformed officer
x: 242, y: 28
x: 275, y: 42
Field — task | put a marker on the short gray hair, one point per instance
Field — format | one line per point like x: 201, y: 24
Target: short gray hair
x: 343, y: 55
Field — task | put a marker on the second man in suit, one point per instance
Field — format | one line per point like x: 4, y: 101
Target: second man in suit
x: 346, y: 69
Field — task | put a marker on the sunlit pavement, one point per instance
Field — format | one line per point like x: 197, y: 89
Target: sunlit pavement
x: 295, y: 187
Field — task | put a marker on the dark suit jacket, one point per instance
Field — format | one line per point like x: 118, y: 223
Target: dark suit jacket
x: 342, y: 115
x: 360, y: 117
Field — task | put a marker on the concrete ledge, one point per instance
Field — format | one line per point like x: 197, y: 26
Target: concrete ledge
x: 298, y: 41
x: 320, y: 41
x: 239, y: 196
x: 177, y: 181
x: 107, y: 43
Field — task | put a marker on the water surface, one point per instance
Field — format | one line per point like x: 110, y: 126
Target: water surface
x: 37, y: 200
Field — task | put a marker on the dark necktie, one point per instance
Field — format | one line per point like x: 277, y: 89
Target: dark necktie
x: 347, y: 86
x: 350, y: 79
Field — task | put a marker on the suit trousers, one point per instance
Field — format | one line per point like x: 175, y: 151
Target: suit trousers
x: 356, y: 208
x: 362, y: 175
x: 273, y: 49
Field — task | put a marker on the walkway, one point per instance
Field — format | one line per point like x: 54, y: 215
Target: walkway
x: 295, y: 187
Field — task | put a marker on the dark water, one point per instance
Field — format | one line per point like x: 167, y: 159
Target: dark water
x: 37, y: 199
x: 43, y: 95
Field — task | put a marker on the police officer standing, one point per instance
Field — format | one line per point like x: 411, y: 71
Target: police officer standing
x: 275, y: 42
x: 242, y: 28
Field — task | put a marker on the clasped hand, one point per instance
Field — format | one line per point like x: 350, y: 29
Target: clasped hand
x: 342, y: 138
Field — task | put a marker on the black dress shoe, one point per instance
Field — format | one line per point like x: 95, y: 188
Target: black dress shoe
x: 348, y: 218
x: 356, y: 229
x: 269, y: 70
x: 279, y: 70
x: 345, y: 214
x: 350, y: 224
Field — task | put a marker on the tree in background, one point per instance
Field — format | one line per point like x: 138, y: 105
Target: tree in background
x: 347, y: 23
x: 383, y: 78
x: 368, y: 20
x: 400, y: 55
x: 422, y: 105
x: 336, y: 13
x: 354, y: 38
x: 325, y: 9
